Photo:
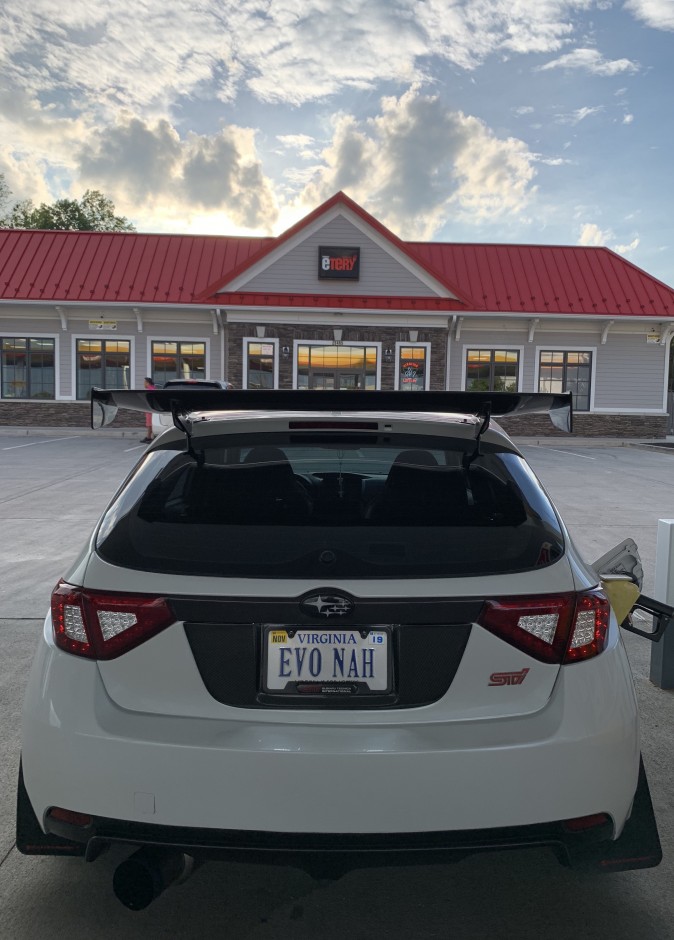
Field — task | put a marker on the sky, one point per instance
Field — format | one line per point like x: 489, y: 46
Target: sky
x: 520, y: 121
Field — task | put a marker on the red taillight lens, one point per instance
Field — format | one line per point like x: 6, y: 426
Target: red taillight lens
x: 103, y: 625
x: 559, y: 628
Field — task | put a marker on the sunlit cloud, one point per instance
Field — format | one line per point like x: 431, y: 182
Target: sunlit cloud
x: 626, y: 249
x: 591, y: 234
x: 418, y: 161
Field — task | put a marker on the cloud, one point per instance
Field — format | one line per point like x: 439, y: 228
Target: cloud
x: 550, y: 161
x: 591, y: 234
x: 146, y: 164
x: 656, y: 13
x: 628, y: 118
x: 418, y: 162
x: 575, y: 117
x: 523, y: 109
x: 591, y: 61
x: 149, y: 58
x: 626, y: 249
x: 303, y: 145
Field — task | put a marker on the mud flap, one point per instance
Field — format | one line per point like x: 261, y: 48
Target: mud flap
x: 30, y: 839
x: 637, y: 847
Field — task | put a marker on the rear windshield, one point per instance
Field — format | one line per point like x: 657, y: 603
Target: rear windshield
x: 348, y: 505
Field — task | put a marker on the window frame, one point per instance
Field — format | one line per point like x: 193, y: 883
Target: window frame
x: 54, y: 337
x: 178, y: 340
x: 427, y: 363
x: 331, y: 342
x: 491, y: 347
x: 267, y: 340
x: 105, y: 337
x: 572, y: 349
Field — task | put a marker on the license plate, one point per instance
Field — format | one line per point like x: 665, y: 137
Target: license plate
x: 313, y: 661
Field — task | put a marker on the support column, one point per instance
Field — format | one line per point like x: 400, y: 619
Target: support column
x: 662, y: 653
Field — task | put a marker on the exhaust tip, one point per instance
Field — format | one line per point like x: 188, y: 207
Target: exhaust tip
x: 140, y: 879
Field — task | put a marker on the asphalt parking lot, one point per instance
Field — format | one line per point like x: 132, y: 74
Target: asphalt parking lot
x: 53, y: 488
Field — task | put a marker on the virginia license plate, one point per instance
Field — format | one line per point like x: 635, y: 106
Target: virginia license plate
x: 327, y: 662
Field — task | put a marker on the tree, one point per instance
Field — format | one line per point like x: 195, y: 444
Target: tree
x: 94, y: 212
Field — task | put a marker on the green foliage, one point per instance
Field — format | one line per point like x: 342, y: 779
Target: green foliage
x: 94, y: 212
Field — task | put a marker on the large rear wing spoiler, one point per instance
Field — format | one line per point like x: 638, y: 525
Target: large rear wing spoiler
x: 180, y: 402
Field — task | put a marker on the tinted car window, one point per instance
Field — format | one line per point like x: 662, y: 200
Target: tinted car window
x: 314, y: 505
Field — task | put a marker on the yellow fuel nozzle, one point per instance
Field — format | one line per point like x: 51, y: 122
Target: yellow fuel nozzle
x: 622, y: 594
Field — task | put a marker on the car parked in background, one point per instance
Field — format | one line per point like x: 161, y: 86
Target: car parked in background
x: 332, y: 630
x: 198, y: 383
x: 162, y: 421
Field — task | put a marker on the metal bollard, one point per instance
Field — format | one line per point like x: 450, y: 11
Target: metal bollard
x: 662, y: 653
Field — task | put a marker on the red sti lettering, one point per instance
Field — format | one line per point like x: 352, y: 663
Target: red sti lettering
x: 508, y: 678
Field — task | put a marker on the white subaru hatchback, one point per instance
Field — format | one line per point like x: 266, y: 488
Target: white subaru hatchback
x: 331, y: 630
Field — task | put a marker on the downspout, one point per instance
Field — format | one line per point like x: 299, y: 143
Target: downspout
x: 450, y: 328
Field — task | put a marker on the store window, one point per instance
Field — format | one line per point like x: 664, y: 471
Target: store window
x: 105, y: 363
x: 260, y: 360
x: 27, y: 367
x: 413, y: 367
x: 561, y: 371
x: 492, y: 370
x: 177, y: 360
x: 337, y: 367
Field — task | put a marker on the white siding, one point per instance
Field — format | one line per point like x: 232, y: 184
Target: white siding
x: 629, y: 372
x: 380, y: 273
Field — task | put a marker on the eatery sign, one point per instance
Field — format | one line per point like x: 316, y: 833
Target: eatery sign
x: 338, y: 263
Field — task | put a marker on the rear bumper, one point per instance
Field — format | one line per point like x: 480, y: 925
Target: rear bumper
x: 331, y: 854
x: 253, y: 772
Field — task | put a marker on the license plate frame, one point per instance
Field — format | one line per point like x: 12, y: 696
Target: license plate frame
x: 328, y: 683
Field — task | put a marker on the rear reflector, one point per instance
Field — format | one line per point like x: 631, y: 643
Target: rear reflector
x: 582, y: 823
x: 69, y: 816
x: 553, y: 628
x: 103, y: 625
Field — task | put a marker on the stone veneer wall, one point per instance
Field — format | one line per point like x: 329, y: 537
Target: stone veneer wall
x: 60, y: 414
x: 286, y: 334
x: 70, y: 414
x: 589, y: 425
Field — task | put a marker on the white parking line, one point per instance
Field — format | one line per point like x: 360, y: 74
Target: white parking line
x: 555, y: 451
x: 51, y: 441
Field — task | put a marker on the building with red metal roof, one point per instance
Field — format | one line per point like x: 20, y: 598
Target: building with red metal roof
x: 336, y: 301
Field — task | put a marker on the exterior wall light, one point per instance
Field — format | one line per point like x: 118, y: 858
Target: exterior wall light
x: 285, y: 352
x: 388, y: 355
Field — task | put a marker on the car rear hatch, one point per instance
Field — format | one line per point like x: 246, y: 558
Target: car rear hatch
x: 338, y: 564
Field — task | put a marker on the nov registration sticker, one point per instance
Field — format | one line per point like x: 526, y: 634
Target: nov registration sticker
x: 336, y: 662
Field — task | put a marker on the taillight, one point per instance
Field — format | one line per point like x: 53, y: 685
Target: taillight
x: 103, y: 625
x: 554, y: 628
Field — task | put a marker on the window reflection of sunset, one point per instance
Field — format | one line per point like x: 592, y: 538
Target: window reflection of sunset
x: 335, y: 357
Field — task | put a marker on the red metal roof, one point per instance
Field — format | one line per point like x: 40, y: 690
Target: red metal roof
x: 115, y: 267
x: 550, y: 279
x: 135, y: 268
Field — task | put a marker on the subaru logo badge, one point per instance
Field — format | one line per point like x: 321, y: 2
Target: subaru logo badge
x: 326, y: 605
